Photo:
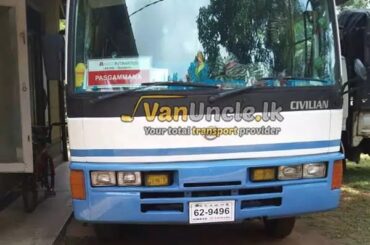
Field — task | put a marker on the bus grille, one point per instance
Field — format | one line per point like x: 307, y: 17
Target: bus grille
x: 177, y: 205
x: 212, y: 193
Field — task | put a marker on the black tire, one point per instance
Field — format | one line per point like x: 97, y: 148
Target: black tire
x: 279, y: 228
x: 107, y: 232
x: 354, y: 154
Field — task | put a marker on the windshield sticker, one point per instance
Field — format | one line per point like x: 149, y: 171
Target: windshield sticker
x: 118, y: 72
x: 121, y: 77
x: 144, y: 63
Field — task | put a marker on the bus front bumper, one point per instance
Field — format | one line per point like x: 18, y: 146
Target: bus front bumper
x: 164, y: 205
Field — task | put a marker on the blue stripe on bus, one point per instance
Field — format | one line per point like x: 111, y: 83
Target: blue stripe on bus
x: 204, y: 150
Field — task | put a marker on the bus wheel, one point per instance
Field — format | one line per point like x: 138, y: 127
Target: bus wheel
x: 106, y: 232
x: 279, y: 228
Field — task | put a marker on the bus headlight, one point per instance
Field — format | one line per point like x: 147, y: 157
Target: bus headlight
x: 103, y: 178
x: 129, y: 178
x: 290, y: 172
x: 314, y: 170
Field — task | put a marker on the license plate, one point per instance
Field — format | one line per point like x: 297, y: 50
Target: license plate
x: 211, y: 212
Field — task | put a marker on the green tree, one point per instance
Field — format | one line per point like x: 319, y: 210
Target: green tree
x: 285, y: 35
x: 250, y: 30
x: 356, y: 4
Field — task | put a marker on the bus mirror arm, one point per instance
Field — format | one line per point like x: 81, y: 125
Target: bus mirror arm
x: 353, y: 89
x: 352, y: 85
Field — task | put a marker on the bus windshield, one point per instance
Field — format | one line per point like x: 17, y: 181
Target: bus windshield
x: 123, y: 44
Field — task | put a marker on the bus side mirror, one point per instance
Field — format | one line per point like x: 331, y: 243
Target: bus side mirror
x: 53, y: 46
x: 360, y: 70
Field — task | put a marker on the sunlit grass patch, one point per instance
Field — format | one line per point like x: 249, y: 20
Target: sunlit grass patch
x: 350, y: 223
x: 358, y: 175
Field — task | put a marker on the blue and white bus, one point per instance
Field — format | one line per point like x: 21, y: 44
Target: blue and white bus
x: 203, y: 111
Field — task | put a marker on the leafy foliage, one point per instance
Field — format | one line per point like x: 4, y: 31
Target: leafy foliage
x: 278, y: 33
x: 356, y: 4
x: 247, y: 22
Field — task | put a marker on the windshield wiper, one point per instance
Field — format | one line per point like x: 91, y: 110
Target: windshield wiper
x: 181, y: 84
x: 148, y: 85
x: 230, y: 93
x: 260, y: 84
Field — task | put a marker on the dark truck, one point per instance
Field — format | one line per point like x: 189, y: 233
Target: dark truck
x: 355, y: 41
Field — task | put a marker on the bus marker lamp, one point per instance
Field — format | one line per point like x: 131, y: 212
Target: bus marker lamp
x: 157, y: 179
x: 103, y: 178
x: 290, y: 172
x: 263, y: 174
x: 337, y: 175
x: 314, y: 170
x: 129, y: 178
x: 77, y: 181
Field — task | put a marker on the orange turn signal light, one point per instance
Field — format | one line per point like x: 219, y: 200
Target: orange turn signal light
x: 263, y: 174
x: 337, y: 175
x: 77, y: 181
x: 157, y: 179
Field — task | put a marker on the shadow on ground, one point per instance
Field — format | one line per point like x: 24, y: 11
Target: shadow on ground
x: 251, y: 232
x: 358, y: 175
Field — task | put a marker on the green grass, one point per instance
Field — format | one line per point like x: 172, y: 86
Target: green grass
x: 350, y: 223
x: 358, y: 175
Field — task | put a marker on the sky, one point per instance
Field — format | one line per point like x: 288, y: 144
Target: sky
x: 167, y: 31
